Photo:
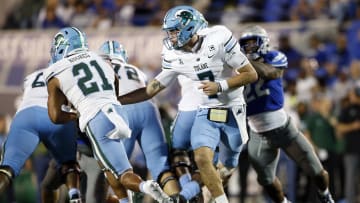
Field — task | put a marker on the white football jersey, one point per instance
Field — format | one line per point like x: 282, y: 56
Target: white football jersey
x: 217, y: 59
x: 191, y: 96
x: 35, y: 91
x: 130, y: 77
x: 87, y: 81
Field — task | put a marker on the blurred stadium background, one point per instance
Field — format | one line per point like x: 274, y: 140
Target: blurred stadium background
x: 321, y: 39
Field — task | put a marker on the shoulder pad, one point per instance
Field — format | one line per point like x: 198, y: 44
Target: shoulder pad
x: 277, y: 59
x: 55, y: 69
x: 222, y: 35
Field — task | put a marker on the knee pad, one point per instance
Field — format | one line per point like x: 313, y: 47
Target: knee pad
x: 180, y: 158
x: 164, y: 177
x: 8, y: 172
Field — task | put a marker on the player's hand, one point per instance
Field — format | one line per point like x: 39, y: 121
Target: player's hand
x: 209, y: 88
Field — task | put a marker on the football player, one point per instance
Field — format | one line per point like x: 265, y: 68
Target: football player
x: 212, y: 58
x: 143, y: 117
x: 90, y: 84
x: 31, y: 124
x: 271, y: 128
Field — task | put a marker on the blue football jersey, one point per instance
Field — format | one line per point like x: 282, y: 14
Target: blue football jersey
x: 266, y: 95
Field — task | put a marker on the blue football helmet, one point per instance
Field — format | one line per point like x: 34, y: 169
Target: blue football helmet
x: 261, y: 39
x: 186, y: 20
x: 113, y: 50
x: 67, y: 41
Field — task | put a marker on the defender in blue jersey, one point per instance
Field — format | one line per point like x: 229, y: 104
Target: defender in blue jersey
x: 31, y: 124
x: 271, y: 127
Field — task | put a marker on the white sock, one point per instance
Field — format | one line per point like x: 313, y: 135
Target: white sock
x: 73, y: 191
x: 325, y: 192
x: 221, y: 199
x: 142, y: 184
x: 285, y: 200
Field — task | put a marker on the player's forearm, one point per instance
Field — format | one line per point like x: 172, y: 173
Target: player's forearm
x: 138, y: 95
x: 245, y: 77
x: 266, y: 71
x: 60, y: 117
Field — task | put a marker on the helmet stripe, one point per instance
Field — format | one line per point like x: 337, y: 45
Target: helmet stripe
x: 82, y: 39
x: 111, y: 47
x: 230, y: 44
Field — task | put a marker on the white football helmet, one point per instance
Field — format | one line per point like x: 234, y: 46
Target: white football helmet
x: 261, y: 38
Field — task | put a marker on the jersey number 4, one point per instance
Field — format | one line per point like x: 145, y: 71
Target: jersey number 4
x: 85, y: 84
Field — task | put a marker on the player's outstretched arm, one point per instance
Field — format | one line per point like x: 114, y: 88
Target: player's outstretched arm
x: 55, y: 101
x: 266, y: 71
x: 142, y: 94
x: 247, y: 75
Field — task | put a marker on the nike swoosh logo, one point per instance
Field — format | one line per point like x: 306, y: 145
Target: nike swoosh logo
x: 211, y: 56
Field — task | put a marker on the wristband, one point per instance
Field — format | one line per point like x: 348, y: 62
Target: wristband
x: 223, y: 86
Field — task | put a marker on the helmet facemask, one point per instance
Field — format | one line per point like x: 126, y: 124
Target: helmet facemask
x: 59, y: 47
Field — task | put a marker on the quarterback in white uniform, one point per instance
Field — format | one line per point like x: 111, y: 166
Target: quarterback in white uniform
x: 89, y: 83
x: 211, y: 56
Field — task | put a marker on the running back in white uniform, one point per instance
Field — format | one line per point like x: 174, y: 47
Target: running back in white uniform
x: 88, y: 83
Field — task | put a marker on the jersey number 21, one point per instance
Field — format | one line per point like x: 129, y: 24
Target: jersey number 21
x: 85, y: 84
